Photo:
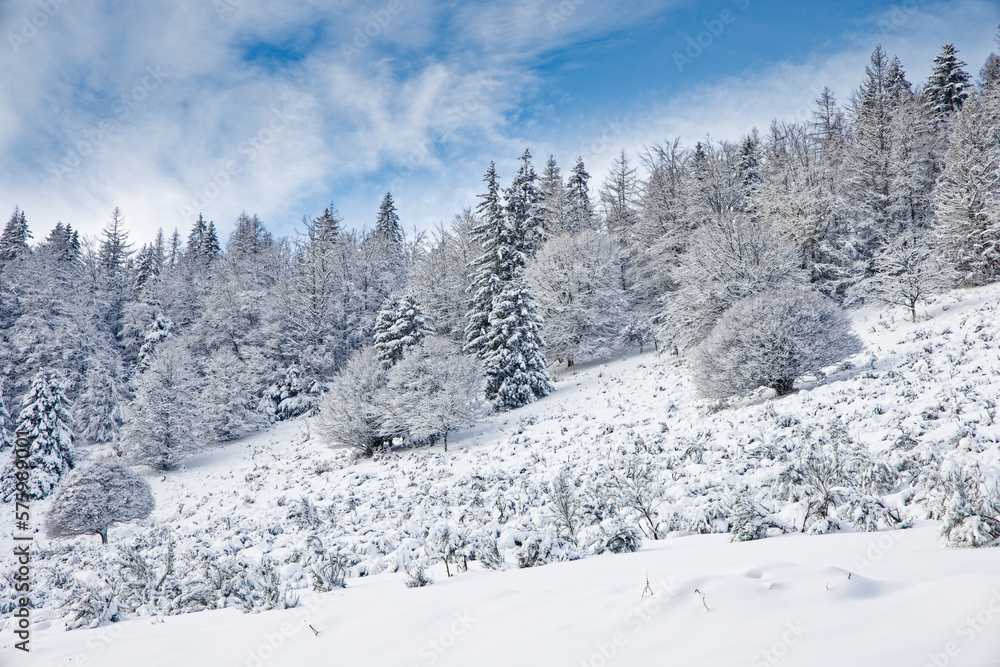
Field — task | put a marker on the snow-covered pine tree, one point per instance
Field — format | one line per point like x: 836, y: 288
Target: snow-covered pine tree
x: 228, y: 398
x: 14, y: 240
x: 948, y: 85
x: 97, y: 411
x: 6, y: 425
x: 249, y: 237
x: 46, y: 420
x: 523, y: 210
x: 96, y: 495
x: 499, y: 262
x: 552, y: 203
x: 966, y: 204
x: 316, y: 303
x: 163, y: 421
x: 579, y: 209
x: 619, y: 196
x: 63, y: 243
x: 513, y: 360
x: 387, y: 223
x: 399, y: 325
x: 158, y: 330
x: 115, y: 250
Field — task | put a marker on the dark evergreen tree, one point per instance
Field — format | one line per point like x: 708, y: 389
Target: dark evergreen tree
x: 499, y: 262
x: 949, y: 85
x: 523, y: 210
x: 552, y: 198
x: 46, y: 422
x: 115, y: 250
x: 387, y: 224
x: 14, y: 240
x: 579, y: 213
x: 400, y: 325
x: 63, y: 243
x: 513, y: 360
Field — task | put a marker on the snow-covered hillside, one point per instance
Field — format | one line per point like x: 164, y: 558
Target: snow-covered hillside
x: 630, y: 453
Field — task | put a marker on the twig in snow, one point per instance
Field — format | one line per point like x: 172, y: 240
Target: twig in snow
x: 702, y: 599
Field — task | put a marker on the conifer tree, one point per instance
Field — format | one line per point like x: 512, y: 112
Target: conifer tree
x: 949, y: 85
x: 513, y: 360
x: 45, y: 420
x: 115, y: 250
x: 6, y: 425
x: 63, y: 243
x: 523, y: 208
x: 163, y: 422
x: 579, y: 213
x: 552, y: 198
x: 387, y: 224
x: 496, y: 265
x: 400, y: 325
x: 14, y: 240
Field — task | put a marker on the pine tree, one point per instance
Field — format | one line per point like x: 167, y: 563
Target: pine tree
x: 97, y: 412
x: 63, y: 243
x: 965, y: 201
x: 163, y: 422
x: 949, y: 85
x: 523, y: 211
x: 387, y: 224
x: 6, y: 425
x: 158, y: 330
x: 14, y: 240
x: 513, y: 360
x: 250, y: 237
x: 115, y: 249
x: 497, y: 264
x: 400, y: 325
x: 619, y: 195
x: 552, y: 202
x: 45, y: 420
x: 579, y: 214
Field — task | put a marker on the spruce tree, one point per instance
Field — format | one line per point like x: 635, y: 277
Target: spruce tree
x: 523, y: 210
x: 496, y: 265
x: 387, y: 225
x: 949, y: 85
x: 115, y: 250
x: 400, y: 325
x: 63, y: 243
x: 513, y: 360
x: 45, y: 420
x: 14, y: 240
x: 552, y: 201
x: 579, y: 209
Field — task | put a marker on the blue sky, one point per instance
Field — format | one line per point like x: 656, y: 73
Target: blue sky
x: 279, y: 108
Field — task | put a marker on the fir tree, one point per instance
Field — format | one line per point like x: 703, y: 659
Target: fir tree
x: 619, y: 195
x: 552, y: 201
x: 523, y: 208
x: 163, y: 422
x: 497, y: 264
x: 6, y: 425
x: 579, y: 213
x: 387, y: 224
x: 45, y: 420
x: 513, y: 360
x: 949, y: 85
x: 400, y: 325
x: 250, y: 237
x: 63, y: 243
x: 115, y: 250
x: 14, y: 240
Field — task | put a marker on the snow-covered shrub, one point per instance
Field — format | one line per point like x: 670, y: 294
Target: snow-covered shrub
x: 96, y: 495
x: 327, y: 566
x: 770, y: 340
x: 565, y: 507
x: 92, y: 603
x: 633, y: 484
x: 147, y: 581
x: 352, y: 410
x: 971, y: 510
x: 751, y: 520
x: 290, y: 396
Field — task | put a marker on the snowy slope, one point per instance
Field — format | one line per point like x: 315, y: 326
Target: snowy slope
x: 891, y: 597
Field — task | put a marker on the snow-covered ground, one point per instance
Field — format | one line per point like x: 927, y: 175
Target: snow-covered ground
x: 918, y: 404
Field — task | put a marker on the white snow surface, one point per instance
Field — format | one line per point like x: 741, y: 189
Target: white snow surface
x: 892, y: 597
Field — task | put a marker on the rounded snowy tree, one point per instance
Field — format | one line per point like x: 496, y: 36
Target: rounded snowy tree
x: 96, y: 495
x: 352, y: 410
x: 770, y: 340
